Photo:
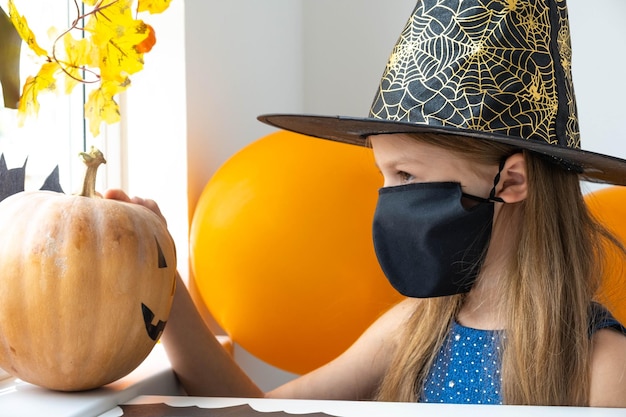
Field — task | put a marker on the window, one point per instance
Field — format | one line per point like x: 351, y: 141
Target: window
x: 57, y: 135
x: 154, y: 121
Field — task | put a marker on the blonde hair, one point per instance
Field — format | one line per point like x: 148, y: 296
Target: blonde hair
x: 547, y: 287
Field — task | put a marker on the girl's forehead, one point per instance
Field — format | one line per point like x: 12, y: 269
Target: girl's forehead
x: 401, y: 147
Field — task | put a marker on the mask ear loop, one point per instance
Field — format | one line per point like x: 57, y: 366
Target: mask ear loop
x: 496, y: 180
x: 492, y: 195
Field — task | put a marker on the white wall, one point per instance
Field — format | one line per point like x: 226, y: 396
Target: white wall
x: 242, y: 59
x: 248, y: 57
x: 345, y: 50
x: 599, y: 69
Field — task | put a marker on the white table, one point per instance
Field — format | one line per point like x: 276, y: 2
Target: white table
x: 374, y: 409
x: 153, y: 376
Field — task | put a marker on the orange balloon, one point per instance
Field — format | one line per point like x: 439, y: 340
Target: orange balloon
x: 608, y: 205
x: 282, y: 253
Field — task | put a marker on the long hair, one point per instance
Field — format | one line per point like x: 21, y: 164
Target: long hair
x: 547, y: 285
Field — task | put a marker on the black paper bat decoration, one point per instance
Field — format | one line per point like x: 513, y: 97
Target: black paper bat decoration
x: 12, y: 180
x: 164, y: 410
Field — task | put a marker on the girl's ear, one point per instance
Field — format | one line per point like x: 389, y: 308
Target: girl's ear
x: 513, y: 186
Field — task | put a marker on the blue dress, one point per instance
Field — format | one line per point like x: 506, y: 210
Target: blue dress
x: 467, y: 367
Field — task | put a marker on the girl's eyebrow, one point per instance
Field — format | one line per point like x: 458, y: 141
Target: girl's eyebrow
x: 398, y: 162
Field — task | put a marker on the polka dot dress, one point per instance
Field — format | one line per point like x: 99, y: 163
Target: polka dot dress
x: 466, y: 369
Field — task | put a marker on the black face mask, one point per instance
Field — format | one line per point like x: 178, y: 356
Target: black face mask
x: 427, y: 243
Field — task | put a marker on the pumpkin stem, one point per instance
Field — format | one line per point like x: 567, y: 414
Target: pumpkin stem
x: 92, y: 160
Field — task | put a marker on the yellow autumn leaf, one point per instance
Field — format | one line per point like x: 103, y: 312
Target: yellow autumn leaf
x: 77, y: 55
x: 102, y: 107
x: 111, y: 49
x: 44, y: 81
x: 153, y: 6
x: 27, y: 35
x: 114, y: 35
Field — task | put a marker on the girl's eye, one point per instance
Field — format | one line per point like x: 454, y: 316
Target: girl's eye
x: 405, y: 177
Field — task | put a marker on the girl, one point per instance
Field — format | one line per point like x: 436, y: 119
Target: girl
x: 480, y: 223
x: 538, y: 280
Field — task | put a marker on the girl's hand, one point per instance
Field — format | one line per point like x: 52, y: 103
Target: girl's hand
x: 116, y: 194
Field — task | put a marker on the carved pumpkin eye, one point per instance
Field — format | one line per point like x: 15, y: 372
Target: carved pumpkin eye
x: 162, y: 261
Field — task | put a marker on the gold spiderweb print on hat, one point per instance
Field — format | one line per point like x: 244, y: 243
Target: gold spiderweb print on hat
x: 565, y: 51
x: 483, y: 65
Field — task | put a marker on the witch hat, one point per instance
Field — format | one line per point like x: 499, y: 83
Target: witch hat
x: 497, y: 70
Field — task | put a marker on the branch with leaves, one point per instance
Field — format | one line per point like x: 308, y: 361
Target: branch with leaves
x: 109, y: 47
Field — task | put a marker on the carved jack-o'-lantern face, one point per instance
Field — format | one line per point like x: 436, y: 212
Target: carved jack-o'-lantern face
x: 155, y: 330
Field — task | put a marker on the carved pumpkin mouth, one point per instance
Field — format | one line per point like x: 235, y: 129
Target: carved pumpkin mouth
x: 154, y: 330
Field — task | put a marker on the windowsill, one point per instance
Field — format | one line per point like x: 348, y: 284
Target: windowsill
x: 154, y: 376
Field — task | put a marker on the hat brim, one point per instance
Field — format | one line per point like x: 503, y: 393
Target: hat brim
x: 591, y: 166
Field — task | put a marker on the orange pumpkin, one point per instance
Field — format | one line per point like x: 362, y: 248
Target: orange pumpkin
x: 86, y: 286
